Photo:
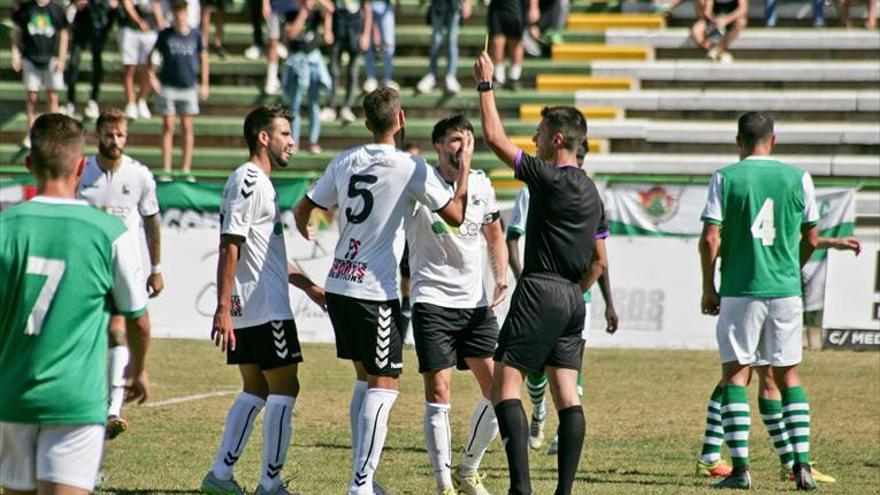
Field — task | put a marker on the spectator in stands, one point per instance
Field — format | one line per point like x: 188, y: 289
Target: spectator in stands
x: 281, y: 11
x: 770, y: 16
x: 507, y: 21
x: 259, y: 12
x: 140, y: 25
x: 352, y: 25
x: 539, y: 37
x: 870, y: 21
x: 208, y: 7
x: 184, y: 62
x: 718, y: 23
x: 193, y: 17
x: 39, y: 49
x: 305, y: 68
x: 445, y: 17
x: 383, y: 21
x: 91, y: 27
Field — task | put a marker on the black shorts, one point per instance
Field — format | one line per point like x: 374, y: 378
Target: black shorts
x: 506, y: 17
x: 544, y: 325
x: 220, y: 4
x: 446, y: 336
x: 270, y: 345
x: 724, y: 8
x: 347, y: 30
x: 369, y: 332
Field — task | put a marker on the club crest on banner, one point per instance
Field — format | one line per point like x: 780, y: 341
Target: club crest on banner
x: 659, y: 204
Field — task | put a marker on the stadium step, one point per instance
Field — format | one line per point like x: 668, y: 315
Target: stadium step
x: 527, y: 145
x: 789, y: 13
x: 766, y: 39
x: 609, y: 21
x: 529, y: 112
x: 562, y: 82
x: 585, y: 52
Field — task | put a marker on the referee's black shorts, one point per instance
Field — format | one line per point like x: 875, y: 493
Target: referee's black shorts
x: 446, y: 336
x: 544, y: 324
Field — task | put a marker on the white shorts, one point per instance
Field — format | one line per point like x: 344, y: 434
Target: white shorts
x: 274, y: 25
x: 135, y: 45
x: 588, y: 307
x: 761, y: 331
x: 64, y: 454
x: 36, y: 78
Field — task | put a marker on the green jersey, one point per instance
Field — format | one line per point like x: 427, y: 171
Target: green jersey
x: 761, y: 206
x: 64, y: 266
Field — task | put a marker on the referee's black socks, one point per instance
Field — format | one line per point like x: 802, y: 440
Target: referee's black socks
x: 571, y: 441
x: 514, y: 428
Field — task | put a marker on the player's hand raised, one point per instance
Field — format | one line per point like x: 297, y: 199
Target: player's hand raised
x: 483, y: 68
x: 221, y: 332
x: 155, y: 284
x: 139, y: 388
x: 711, y: 303
x: 611, y: 320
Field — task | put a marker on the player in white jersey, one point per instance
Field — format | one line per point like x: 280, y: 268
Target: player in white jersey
x: 253, y: 322
x: 375, y: 187
x: 125, y: 188
x: 453, y: 322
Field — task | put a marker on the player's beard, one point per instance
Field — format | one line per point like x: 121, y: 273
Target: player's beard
x: 110, y: 153
x: 276, y: 160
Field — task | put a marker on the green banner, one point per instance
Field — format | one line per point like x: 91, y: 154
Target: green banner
x: 206, y: 197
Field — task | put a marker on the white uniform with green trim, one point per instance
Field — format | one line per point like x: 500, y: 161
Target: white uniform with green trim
x: 761, y: 205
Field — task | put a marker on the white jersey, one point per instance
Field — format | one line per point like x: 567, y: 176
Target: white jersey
x: 376, y: 187
x: 446, y: 262
x: 520, y: 212
x: 250, y: 210
x: 128, y: 193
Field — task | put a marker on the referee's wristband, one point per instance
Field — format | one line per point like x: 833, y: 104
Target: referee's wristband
x: 156, y: 269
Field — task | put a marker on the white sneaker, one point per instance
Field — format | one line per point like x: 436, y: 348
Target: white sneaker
x: 144, y: 110
x: 370, y: 85
x: 712, y: 54
x: 92, y: 110
x: 346, y: 115
x: 253, y: 52
x: 131, y: 110
x: 391, y: 84
x: 282, y: 51
x: 726, y: 58
x: 272, y: 87
x: 469, y: 484
x: 26, y: 142
x: 452, y: 85
x: 68, y: 109
x: 536, y: 432
x: 426, y: 84
x: 215, y: 486
x: 328, y: 115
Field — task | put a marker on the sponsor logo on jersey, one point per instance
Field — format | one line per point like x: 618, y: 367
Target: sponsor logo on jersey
x: 348, y: 270
x: 658, y: 203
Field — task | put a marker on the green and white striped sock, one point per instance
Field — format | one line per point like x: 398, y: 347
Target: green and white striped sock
x: 536, y: 383
x: 771, y: 414
x: 796, y: 411
x: 713, y: 437
x: 736, y: 421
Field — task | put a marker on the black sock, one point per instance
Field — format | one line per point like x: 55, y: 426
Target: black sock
x: 514, y: 428
x: 571, y: 441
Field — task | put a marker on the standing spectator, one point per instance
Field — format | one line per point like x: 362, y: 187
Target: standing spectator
x: 184, y: 59
x: 352, y: 25
x: 208, y: 7
x: 281, y: 11
x: 506, y: 24
x: 445, y: 15
x: 259, y: 12
x: 306, y: 70
x: 870, y: 21
x: 383, y: 20
x: 718, y: 23
x: 771, y: 17
x: 91, y: 27
x: 139, y: 28
x: 39, y: 49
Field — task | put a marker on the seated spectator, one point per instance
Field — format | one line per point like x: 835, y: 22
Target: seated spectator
x: 770, y: 16
x: 540, y: 36
x: 507, y: 20
x: 91, y: 27
x: 718, y: 23
x: 305, y: 68
x: 208, y: 7
x: 383, y: 21
x: 352, y: 25
x: 870, y: 20
x: 184, y: 61
x: 259, y: 11
x: 445, y: 17
x: 39, y: 51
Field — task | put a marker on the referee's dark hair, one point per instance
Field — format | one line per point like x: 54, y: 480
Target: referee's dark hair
x: 262, y: 119
x: 57, y: 144
x: 457, y: 122
x: 569, y: 122
x: 381, y: 108
x: 753, y: 128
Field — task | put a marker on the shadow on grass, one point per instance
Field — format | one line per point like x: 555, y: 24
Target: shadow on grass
x: 146, y: 491
x: 346, y: 446
x: 604, y: 476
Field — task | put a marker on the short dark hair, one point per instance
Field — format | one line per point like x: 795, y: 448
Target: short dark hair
x: 582, y: 150
x: 569, y: 122
x: 457, y: 122
x: 110, y: 115
x: 753, y: 127
x: 262, y: 119
x: 178, y: 5
x: 381, y: 108
x: 57, y: 143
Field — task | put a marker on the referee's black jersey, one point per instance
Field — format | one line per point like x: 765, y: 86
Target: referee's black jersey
x: 565, y: 211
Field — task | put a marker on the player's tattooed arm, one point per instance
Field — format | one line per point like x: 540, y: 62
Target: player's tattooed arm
x: 227, y: 259
x: 494, y: 235
x: 302, y: 282
x: 710, y: 243
x: 152, y: 231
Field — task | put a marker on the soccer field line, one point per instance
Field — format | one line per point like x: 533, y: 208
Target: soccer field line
x: 190, y: 398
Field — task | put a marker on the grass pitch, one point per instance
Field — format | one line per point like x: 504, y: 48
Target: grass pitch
x: 644, y: 409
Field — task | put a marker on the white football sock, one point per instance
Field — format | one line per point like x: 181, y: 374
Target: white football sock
x: 373, y: 428
x: 499, y: 73
x: 354, y: 414
x: 116, y: 378
x: 276, y: 438
x: 271, y: 71
x: 515, y: 72
x: 438, y: 438
x: 239, y: 423
x: 483, y: 429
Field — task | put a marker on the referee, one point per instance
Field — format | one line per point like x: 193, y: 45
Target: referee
x: 543, y: 327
